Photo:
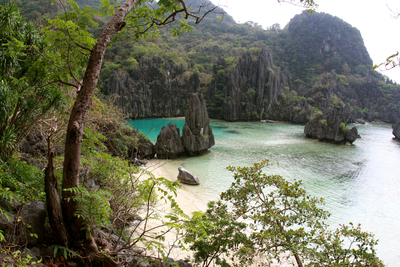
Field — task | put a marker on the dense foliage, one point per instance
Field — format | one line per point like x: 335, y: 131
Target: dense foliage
x: 326, y: 57
x: 270, y: 219
x: 114, y: 203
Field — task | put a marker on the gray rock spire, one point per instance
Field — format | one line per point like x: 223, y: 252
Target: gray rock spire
x: 197, y: 134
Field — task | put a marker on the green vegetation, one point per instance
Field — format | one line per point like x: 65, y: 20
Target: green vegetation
x: 343, y: 127
x: 48, y: 82
x: 327, y: 71
x: 270, y: 219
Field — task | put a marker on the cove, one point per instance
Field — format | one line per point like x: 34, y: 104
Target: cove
x: 359, y: 183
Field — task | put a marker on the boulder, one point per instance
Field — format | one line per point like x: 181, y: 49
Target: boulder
x: 360, y: 121
x: 33, y: 217
x: 186, y: 177
x: 197, y: 135
x: 396, y: 129
x: 169, y: 143
x: 331, y: 128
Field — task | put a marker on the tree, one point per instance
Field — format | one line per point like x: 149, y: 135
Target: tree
x: 142, y: 21
x: 143, y: 18
x: 27, y: 90
x: 282, y: 221
x: 75, y: 60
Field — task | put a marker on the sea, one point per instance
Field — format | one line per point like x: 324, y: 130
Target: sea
x: 360, y: 183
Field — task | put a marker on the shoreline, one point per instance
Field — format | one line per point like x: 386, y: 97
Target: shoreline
x: 188, y: 200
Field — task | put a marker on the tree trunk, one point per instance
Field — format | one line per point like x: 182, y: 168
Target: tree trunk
x: 53, y: 200
x: 76, y: 125
x: 298, y: 260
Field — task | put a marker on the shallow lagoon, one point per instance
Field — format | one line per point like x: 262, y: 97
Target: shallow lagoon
x: 360, y: 183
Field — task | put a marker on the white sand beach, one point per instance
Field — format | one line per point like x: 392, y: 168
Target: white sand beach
x: 187, y: 198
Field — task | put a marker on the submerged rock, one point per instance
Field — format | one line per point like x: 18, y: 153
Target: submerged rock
x: 169, y: 143
x: 330, y: 127
x: 187, y: 177
x: 396, y: 129
x: 197, y: 135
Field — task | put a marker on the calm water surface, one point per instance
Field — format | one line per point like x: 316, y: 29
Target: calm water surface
x: 359, y: 183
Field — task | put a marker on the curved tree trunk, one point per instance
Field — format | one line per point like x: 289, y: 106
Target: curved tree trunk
x: 76, y: 125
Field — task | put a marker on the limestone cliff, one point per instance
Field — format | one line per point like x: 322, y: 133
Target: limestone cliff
x: 157, y: 88
x: 197, y: 135
x: 251, y: 88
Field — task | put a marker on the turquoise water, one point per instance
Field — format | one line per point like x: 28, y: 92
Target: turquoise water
x: 359, y: 183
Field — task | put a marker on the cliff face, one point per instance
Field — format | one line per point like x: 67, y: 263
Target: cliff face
x: 253, y: 87
x: 157, y: 89
x: 328, y: 63
x: 161, y: 89
x: 250, y: 89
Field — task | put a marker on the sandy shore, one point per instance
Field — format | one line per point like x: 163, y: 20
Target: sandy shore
x: 187, y: 198
x: 189, y: 201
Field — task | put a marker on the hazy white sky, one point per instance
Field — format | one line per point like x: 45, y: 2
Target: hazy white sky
x: 380, y: 31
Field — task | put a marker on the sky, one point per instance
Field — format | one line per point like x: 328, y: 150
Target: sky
x: 379, y: 29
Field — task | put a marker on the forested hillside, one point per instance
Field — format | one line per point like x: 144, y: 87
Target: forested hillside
x: 246, y: 72
x: 71, y: 190
x: 315, y: 62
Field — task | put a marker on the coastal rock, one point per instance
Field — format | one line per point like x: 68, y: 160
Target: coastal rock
x: 396, y: 129
x: 330, y: 127
x: 169, y: 143
x: 197, y: 135
x: 187, y: 177
x: 360, y: 121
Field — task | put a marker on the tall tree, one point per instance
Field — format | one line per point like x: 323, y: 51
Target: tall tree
x: 145, y: 18
x: 139, y: 18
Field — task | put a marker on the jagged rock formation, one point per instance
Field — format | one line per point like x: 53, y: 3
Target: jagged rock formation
x: 251, y: 88
x: 330, y: 127
x: 156, y: 89
x: 186, y: 177
x: 197, y: 134
x: 396, y: 129
x: 169, y: 144
x: 328, y: 62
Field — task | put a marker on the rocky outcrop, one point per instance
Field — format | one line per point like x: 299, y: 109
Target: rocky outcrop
x: 197, y: 135
x: 186, y: 177
x: 126, y: 142
x: 396, y: 129
x: 252, y: 87
x: 169, y: 143
x: 330, y: 127
x: 156, y: 89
